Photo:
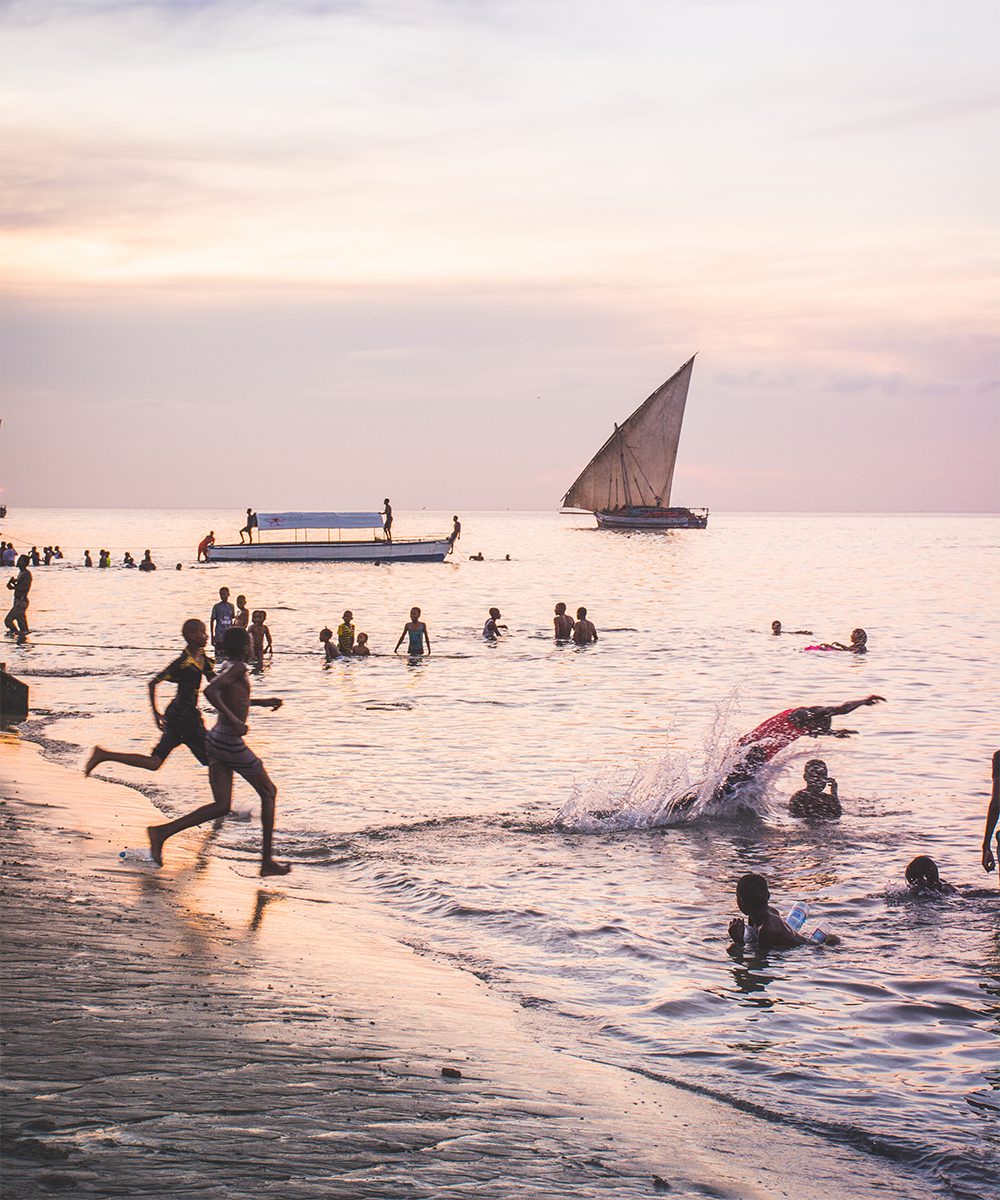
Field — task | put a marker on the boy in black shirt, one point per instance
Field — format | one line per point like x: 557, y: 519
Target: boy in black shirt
x: 181, y: 724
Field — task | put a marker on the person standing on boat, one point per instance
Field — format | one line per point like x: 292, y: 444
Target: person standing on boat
x: 456, y: 533
x: 249, y: 527
x: 387, y: 523
x: 416, y: 631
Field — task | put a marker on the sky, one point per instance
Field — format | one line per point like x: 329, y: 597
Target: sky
x: 303, y: 254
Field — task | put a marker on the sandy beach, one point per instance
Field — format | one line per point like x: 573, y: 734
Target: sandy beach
x: 188, y: 1031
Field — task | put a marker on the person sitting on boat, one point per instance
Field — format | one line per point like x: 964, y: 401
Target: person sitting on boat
x: 206, y: 544
x: 778, y: 631
x: 814, y: 801
x: 584, y: 631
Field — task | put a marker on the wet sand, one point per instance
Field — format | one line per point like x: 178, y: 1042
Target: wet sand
x: 192, y: 1031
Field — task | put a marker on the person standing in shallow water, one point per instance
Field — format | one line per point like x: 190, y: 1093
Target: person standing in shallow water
x: 415, y: 631
x: 992, y: 818
x: 17, y: 619
x: 562, y: 623
x: 584, y: 631
x: 181, y: 724
x: 221, y: 619
x: 228, y: 753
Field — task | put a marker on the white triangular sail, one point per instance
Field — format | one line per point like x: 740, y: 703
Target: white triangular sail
x: 636, y: 464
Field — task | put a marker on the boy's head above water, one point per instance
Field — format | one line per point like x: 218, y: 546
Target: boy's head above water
x: 923, y: 872
x: 816, y: 774
x: 752, y: 894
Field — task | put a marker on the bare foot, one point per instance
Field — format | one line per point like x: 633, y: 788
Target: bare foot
x: 95, y: 760
x: 156, y: 840
x: 269, y: 867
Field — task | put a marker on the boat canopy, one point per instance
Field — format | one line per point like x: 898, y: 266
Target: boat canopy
x: 319, y: 520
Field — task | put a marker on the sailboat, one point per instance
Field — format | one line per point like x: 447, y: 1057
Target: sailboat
x: 626, y: 485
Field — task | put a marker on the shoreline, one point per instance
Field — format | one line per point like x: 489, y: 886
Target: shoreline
x: 195, y: 1030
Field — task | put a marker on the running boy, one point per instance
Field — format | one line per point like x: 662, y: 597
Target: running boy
x: 181, y: 724
x: 229, y: 694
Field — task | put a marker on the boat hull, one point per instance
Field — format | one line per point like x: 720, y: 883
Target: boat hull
x: 413, y: 550
x: 654, y: 518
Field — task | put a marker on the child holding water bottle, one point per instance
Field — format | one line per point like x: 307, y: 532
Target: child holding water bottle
x: 763, y: 925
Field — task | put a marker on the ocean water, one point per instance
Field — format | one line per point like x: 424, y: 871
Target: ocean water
x: 457, y: 793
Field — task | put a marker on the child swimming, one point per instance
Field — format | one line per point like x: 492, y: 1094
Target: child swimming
x: 814, y: 801
x: 764, y: 924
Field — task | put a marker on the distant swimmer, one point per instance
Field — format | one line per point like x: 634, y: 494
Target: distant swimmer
x: 491, y: 630
x: 476, y: 557
x: 992, y: 819
x: 242, y: 618
x: 584, y: 631
x: 205, y: 545
x: 361, y: 646
x: 87, y: 560
x: 181, y: 724
x: 229, y: 695
x: 249, y: 527
x: 415, y: 631
x: 387, y: 523
x: 456, y: 533
x: 777, y: 630
x: 764, y: 926
x: 563, y: 623
x: 859, y: 643
x: 329, y: 645
x: 147, y: 563
x: 103, y: 559
x: 221, y: 619
x: 128, y: 560
x: 345, y: 633
x: 924, y: 879
x: 814, y: 801
x: 260, y: 637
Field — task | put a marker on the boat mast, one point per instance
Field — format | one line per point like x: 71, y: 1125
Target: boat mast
x: 621, y: 455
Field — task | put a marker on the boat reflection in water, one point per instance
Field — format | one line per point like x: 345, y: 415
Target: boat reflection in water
x: 626, y: 485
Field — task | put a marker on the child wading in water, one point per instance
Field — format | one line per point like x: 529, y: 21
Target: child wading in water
x: 260, y: 637
x: 416, y: 631
x: 229, y: 694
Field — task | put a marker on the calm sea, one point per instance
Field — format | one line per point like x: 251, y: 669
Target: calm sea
x: 433, y: 789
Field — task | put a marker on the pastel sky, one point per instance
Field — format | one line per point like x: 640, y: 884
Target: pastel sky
x: 305, y: 254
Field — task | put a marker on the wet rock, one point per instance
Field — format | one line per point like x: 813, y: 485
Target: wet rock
x: 660, y: 1184
x: 451, y: 1072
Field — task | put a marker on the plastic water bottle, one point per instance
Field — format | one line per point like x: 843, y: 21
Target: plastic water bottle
x: 136, y: 855
x: 797, y: 917
x: 818, y: 936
